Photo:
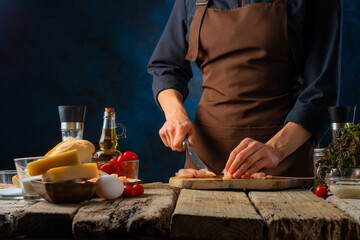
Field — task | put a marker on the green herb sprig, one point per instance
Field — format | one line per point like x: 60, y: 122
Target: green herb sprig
x: 345, y: 151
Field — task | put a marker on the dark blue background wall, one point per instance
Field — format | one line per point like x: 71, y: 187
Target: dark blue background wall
x: 95, y: 53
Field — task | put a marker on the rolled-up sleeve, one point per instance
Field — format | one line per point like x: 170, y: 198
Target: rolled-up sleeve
x: 322, y: 43
x: 167, y: 64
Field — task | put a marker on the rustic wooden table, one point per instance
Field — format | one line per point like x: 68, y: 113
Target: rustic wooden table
x: 165, y: 212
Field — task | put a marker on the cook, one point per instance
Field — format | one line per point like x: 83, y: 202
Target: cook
x: 270, y: 68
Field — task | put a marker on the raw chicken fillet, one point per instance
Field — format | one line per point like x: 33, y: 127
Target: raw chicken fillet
x: 192, y: 173
x: 257, y: 175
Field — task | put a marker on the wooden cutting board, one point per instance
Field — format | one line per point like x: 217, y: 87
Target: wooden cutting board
x: 266, y: 184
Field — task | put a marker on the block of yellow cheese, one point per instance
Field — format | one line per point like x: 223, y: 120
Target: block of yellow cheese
x: 63, y: 159
x: 16, y: 181
x: 69, y: 173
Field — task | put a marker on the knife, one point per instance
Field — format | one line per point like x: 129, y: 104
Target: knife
x: 192, y: 155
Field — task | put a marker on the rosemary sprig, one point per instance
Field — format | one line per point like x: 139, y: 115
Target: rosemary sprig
x: 345, y: 151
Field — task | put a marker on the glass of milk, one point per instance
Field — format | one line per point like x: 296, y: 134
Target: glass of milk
x: 28, y: 191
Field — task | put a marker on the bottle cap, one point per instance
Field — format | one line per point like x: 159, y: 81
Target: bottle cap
x: 109, y: 112
x: 72, y: 113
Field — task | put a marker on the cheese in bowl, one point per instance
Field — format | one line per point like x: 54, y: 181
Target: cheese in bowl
x: 64, y: 175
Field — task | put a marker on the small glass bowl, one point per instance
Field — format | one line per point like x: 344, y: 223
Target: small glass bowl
x: 129, y: 169
x: 344, y: 183
x: 7, y: 189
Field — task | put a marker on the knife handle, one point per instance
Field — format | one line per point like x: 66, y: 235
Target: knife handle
x: 185, y: 144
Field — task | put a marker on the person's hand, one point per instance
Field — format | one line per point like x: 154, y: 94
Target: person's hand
x: 177, y: 125
x: 249, y: 157
x: 174, y: 131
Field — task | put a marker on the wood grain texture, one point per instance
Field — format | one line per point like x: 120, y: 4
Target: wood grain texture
x: 350, y: 206
x: 258, y: 184
x: 142, y: 217
x: 45, y: 219
x: 9, y: 212
x: 203, y: 214
x: 299, y: 214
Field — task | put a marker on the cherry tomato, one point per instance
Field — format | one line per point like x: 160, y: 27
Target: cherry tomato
x: 139, y: 189
x: 131, y: 156
x: 131, y: 170
x: 133, y: 193
x: 124, y: 166
x: 127, y: 191
x: 113, y: 160
x: 119, y: 171
x: 321, y: 191
x: 122, y: 158
x: 109, y: 168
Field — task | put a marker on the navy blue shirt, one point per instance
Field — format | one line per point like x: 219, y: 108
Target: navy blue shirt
x: 314, y: 32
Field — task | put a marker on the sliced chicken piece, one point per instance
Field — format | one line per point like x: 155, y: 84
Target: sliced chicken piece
x: 123, y: 179
x: 227, y: 175
x: 199, y: 174
x: 192, y: 173
x: 207, y: 173
x: 186, y: 173
x: 127, y: 180
x: 258, y: 175
x: 204, y: 173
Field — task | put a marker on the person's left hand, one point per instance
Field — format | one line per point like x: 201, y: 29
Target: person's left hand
x: 249, y: 157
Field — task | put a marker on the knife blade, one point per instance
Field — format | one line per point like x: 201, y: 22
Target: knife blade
x: 192, y: 155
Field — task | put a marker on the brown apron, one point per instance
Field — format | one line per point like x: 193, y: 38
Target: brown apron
x: 249, y: 79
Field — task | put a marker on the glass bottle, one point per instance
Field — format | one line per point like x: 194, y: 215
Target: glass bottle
x: 109, y: 138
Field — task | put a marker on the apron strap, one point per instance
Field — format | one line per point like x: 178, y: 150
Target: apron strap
x: 194, y: 36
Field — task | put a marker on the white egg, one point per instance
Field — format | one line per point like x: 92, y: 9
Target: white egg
x: 109, y: 187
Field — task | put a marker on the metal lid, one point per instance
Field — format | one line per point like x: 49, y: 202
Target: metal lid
x: 319, y: 151
x: 72, y: 113
x: 342, y: 114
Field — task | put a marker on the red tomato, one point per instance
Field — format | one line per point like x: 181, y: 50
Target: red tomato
x: 132, y: 170
x: 113, y: 160
x: 122, y: 158
x: 131, y: 156
x: 133, y: 193
x: 124, y: 166
x: 139, y: 189
x: 321, y: 191
x: 119, y: 171
x: 127, y: 191
x: 109, y: 168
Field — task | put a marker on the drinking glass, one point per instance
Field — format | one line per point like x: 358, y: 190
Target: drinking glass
x: 28, y: 191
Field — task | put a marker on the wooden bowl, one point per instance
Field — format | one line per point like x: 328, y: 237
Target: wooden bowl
x: 64, y: 192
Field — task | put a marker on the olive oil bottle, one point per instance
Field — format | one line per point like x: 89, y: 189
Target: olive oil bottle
x: 109, y: 138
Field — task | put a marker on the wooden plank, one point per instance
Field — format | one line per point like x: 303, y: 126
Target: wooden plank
x: 142, y: 217
x: 203, y: 214
x: 350, y: 206
x: 9, y: 212
x: 299, y: 214
x: 45, y: 219
x: 259, y: 184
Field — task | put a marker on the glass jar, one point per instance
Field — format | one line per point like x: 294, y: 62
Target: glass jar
x: 318, y: 154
